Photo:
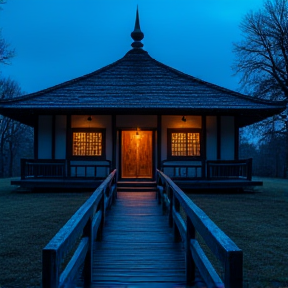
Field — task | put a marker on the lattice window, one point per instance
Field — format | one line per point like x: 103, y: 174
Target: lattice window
x: 183, y: 143
x: 87, y: 144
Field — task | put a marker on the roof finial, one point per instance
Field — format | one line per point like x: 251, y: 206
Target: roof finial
x: 137, y: 35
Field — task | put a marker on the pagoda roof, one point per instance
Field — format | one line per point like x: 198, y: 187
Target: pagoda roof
x: 137, y: 83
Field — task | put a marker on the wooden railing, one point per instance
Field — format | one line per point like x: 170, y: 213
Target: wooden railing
x: 47, y: 168
x: 229, y: 169
x: 88, y: 170
x: 225, y: 250
x: 182, y: 170
x: 42, y: 168
x: 87, y: 225
x: 216, y: 170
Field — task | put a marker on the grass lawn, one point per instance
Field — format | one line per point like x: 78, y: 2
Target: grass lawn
x: 256, y: 222
x: 27, y: 223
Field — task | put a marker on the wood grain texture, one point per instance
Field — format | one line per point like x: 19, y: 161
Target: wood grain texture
x: 138, y: 247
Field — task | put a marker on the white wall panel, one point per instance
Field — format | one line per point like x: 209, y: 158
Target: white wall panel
x: 227, y: 138
x: 60, y: 136
x: 45, y: 137
x: 136, y: 121
x: 211, y: 136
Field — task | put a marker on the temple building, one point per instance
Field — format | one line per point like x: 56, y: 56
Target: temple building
x: 137, y: 115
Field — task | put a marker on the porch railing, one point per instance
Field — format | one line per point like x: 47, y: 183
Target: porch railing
x: 47, y: 168
x: 43, y: 168
x: 87, y: 225
x: 186, y: 219
x: 210, y: 170
x: 182, y: 170
x: 229, y: 169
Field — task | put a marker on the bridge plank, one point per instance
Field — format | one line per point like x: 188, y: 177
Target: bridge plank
x: 138, y: 246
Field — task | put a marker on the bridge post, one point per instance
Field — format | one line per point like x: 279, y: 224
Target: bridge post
x: 50, y: 268
x: 177, y: 235
x: 190, y: 265
x: 171, y: 198
x: 101, y: 226
x: 233, y: 267
x: 87, y: 271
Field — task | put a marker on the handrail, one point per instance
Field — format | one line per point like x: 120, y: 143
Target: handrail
x: 87, y: 223
x: 230, y: 256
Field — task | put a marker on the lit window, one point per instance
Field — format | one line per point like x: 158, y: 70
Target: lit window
x: 185, y: 143
x: 87, y: 144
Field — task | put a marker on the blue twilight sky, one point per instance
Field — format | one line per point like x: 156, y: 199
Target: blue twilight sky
x: 58, y: 40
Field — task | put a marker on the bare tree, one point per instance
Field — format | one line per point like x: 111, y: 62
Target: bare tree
x: 262, y: 61
x: 6, y: 53
x: 14, y: 136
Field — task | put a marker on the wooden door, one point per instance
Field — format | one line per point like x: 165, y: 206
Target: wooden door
x: 136, y: 154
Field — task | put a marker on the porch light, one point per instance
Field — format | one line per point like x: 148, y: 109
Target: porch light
x: 183, y: 119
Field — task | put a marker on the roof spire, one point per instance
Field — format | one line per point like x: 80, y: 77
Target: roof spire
x: 137, y: 35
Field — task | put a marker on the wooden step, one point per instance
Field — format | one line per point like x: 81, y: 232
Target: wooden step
x: 136, y: 186
x: 136, y: 183
x: 136, y: 189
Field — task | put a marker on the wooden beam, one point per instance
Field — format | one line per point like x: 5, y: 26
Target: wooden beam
x: 159, y: 134
x: 68, y: 143
x: 114, y: 139
x: 204, y: 138
x: 218, y: 137
x: 36, y: 135
x: 236, y: 137
x: 53, y: 136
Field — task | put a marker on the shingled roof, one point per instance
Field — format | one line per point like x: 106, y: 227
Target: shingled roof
x: 137, y: 83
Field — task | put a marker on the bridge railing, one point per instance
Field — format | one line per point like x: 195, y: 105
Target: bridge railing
x: 230, y: 256
x: 82, y: 229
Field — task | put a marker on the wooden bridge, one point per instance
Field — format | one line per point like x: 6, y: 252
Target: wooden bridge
x: 140, y: 241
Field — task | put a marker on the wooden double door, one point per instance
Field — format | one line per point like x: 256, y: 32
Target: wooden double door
x: 136, y: 154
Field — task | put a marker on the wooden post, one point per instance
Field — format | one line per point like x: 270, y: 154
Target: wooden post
x: 233, y: 266
x: 101, y: 226
x: 249, y: 169
x: 23, y: 171
x: 177, y: 235
x: 87, y: 271
x: 50, y: 269
x: 171, y: 198
x: 164, y: 207
x: 190, y: 265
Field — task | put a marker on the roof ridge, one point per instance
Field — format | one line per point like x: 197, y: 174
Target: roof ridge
x: 63, y: 84
x: 217, y: 87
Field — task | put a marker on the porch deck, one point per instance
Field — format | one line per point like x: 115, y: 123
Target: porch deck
x: 64, y: 183
x: 190, y: 184
x: 62, y: 174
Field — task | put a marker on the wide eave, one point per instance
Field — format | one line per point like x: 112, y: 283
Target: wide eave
x: 139, y: 84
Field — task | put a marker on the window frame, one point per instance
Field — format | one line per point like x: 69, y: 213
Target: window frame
x: 183, y: 130
x: 89, y: 130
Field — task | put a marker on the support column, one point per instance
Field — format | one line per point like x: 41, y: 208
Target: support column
x: 218, y: 137
x: 114, y: 144
x: 159, y: 134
